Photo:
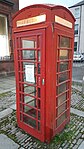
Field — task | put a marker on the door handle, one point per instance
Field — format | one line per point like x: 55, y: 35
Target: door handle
x: 43, y: 81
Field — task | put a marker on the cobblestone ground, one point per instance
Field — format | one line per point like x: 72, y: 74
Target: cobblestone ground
x: 70, y: 138
x: 77, y: 101
x: 7, y: 99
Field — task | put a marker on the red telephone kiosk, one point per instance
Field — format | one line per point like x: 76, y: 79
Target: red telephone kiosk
x: 43, y: 38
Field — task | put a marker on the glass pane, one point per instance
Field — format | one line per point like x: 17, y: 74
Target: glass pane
x: 61, y: 88
x: 61, y: 99
x: 61, y: 109
x: 30, y: 101
x: 77, y: 12
x: 65, y: 42
x: 30, y: 90
x: 76, y: 29
x: 4, y: 42
x: 63, y: 77
x: 64, y: 54
x: 2, y: 25
x: 29, y: 121
x: 27, y: 43
x: 61, y: 119
x: 39, y: 95
x: 63, y: 66
x: 39, y: 68
x: 39, y: 56
x: 28, y: 54
x: 39, y: 104
x: 39, y: 115
x: 30, y: 111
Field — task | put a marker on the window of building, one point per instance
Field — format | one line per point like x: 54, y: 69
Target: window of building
x: 77, y: 13
x: 75, y: 46
x: 4, y: 47
x: 76, y: 29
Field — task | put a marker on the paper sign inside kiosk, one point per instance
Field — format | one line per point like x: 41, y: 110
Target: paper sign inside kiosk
x: 29, y: 73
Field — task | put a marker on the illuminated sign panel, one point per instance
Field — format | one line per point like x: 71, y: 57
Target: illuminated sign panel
x: 33, y: 20
x: 63, y: 21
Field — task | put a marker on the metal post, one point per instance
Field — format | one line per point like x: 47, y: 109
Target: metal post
x: 83, y: 86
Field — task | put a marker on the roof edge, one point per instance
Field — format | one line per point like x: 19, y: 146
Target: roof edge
x: 47, y: 6
x: 78, y: 4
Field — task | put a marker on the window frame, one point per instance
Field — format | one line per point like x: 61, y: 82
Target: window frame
x: 75, y: 46
x: 6, y: 54
x: 76, y: 29
x: 77, y: 12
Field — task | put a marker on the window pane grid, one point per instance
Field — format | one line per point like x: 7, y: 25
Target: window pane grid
x: 29, y: 57
x: 63, y: 78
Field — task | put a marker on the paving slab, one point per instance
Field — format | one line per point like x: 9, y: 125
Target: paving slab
x: 81, y: 146
x: 7, y: 90
x: 7, y: 143
x: 5, y: 112
x: 77, y: 112
x: 13, y: 107
x: 7, y: 83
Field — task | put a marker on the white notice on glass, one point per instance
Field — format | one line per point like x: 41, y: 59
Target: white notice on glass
x: 29, y: 72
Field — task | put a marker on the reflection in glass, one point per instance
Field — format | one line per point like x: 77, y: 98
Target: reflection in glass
x: 39, y: 104
x: 39, y: 94
x: 29, y: 121
x: 39, y: 68
x: 64, y: 54
x: 63, y: 66
x: 30, y: 101
x: 30, y: 90
x: 63, y: 77
x: 39, y: 56
x: 62, y: 98
x: 61, y: 109
x: 27, y: 43
x: 61, y: 88
x: 30, y: 111
x: 28, y: 54
x: 39, y: 115
x: 61, y: 119
x: 65, y: 42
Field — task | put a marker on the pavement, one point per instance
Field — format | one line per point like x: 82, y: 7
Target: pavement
x: 12, y: 137
x: 78, y: 71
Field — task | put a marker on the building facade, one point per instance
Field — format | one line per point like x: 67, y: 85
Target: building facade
x: 7, y: 10
x: 78, y: 12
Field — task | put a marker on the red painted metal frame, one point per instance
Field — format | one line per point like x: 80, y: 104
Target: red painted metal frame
x: 19, y: 81
x: 50, y: 33
x: 63, y: 33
